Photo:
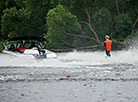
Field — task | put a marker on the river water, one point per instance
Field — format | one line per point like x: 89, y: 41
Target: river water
x: 91, y: 78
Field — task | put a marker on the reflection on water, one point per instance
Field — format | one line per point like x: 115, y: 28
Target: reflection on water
x: 94, y: 78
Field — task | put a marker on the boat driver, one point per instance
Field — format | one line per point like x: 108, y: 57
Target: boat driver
x: 42, y: 53
x: 32, y: 45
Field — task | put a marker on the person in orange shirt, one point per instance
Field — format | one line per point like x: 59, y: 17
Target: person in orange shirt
x: 107, y: 45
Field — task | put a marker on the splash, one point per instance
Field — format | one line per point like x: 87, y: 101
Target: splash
x: 129, y: 56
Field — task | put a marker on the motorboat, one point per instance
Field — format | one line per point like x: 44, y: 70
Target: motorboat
x: 28, y: 46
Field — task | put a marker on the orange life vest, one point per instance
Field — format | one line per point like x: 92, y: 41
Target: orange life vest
x: 108, y: 45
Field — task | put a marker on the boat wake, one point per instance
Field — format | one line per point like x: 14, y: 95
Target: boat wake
x: 129, y: 56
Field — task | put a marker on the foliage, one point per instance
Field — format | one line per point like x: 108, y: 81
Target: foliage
x: 25, y: 21
x: 15, y: 23
x: 123, y: 24
x: 1, y: 47
x: 4, y: 4
x: 60, y: 22
x: 102, y: 21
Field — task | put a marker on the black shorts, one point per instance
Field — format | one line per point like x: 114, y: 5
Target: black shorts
x: 108, y: 53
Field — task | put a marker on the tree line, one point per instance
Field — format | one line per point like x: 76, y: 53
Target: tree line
x: 69, y: 23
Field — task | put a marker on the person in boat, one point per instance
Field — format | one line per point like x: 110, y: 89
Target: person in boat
x: 107, y: 45
x: 42, y: 53
x: 12, y: 48
x: 21, y: 48
x: 32, y: 45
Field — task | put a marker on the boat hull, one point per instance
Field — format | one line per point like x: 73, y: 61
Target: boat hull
x: 32, y: 53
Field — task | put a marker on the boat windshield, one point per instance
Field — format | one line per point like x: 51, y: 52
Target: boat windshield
x: 27, y: 45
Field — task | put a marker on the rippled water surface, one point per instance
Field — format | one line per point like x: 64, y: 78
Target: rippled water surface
x: 92, y: 78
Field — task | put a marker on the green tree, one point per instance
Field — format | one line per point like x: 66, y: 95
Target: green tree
x: 123, y: 26
x: 38, y: 9
x: 94, y: 17
x: 1, y: 46
x: 15, y: 23
x: 60, y: 23
x: 3, y: 5
x: 27, y: 18
x: 102, y: 20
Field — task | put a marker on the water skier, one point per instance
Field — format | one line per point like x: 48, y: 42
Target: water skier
x: 107, y: 45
